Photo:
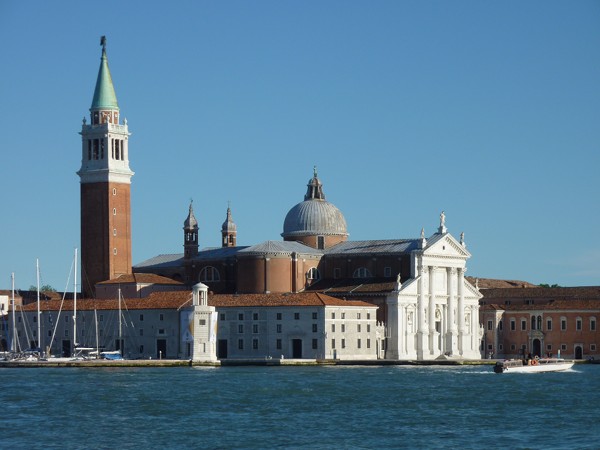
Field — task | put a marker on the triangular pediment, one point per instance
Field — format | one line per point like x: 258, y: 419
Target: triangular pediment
x: 445, y: 245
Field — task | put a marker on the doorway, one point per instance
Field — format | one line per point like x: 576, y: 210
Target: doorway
x: 66, y: 347
x: 297, y: 348
x: 537, y: 347
x: 161, y: 348
x: 222, y: 349
x: 578, y: 352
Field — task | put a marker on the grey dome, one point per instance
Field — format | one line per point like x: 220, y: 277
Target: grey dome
x: 314, y: 217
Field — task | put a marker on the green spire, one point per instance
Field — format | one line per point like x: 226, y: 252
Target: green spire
x: 104, y: 94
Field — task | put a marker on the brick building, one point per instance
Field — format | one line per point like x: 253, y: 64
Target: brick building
x: 541, y: 321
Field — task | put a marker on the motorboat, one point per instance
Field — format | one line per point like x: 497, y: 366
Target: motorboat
x: 533, y: 365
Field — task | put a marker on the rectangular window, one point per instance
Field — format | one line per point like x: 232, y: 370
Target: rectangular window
x: 161, y: 331
x: 368, y: 328
x: 240, y: 344
x: 563, y: 347
x: 500, y: 347
x: 549, y: 325
x: 490, y: 347
x: 333, y: 343
x: 563, y: 324
x: 314, y: 327
x: 278, y: 344
x: 241, y: 328
x: 358, y: 316
x: 343, y: 343
x: 141, y: 349
x: 279, y: 328
x: 315, y: 344
x: 490, y: 325
x: 255, y: 344
x: 343, y: 328
x: 222, y: 316
x: 255, y: 316
x: 333, y: 327
x: 161, y: 317
x: 241, y: 316
x: 333, y: 316
x: 296, y: 316
x: 343, y: 315
x: 141, y: 317
x: 66, y: 333
x: 255, y: 328
x: 500, y: 325
x: 358, y: 328
x: 66, y: 318
x: 578, y: 324
x: 513, y: 347
x: 592, y: 324
x: 523, y: 325
x: 368, y: 343
x: 34, y: 319
x: 513, y: 325
x: 368, y: 316
x: 278, y: 316
x: 592, y: 347
x: 549, y: 347
x: 314, y: 316
x: 358, y: 343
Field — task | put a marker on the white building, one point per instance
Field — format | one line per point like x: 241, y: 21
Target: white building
x: 436, y: 312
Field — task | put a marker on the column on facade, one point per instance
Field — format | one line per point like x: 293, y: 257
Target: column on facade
x: 422, y: 340
x: 431, y: 309
x: 461, y: 309
x: 451, y: 329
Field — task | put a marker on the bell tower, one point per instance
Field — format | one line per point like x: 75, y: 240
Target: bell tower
x: 105, y: 179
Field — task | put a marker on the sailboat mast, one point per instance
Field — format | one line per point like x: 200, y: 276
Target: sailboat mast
x: 97, y: 346
x: 120, y: 330
x: 39, y: 314
x: 14, y: 314
x: 75, y: 306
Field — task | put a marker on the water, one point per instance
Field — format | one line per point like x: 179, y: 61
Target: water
x: 298, y: 407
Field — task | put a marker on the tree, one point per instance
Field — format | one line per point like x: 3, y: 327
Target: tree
x: 44, y: 288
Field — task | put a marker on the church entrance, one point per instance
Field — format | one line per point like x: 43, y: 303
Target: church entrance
x: 537, y: 347
x: 296, y: 348
x: 222, y: 349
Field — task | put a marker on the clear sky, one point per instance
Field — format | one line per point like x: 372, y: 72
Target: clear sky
x: 489, y: 111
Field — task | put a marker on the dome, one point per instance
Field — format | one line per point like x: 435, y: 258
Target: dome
x: 314, y: 216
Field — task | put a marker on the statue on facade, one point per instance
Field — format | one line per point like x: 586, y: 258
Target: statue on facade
x: 442, y: 219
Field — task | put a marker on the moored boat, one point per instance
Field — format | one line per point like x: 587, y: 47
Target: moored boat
x: 533, y: 365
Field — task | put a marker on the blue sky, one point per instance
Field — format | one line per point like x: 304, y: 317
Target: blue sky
x: 489, y: 111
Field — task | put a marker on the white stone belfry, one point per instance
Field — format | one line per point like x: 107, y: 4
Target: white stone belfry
x: 435, y: 313
x: 199, y: 327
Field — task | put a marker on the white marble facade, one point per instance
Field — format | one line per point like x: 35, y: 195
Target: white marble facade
x: 436, y: 312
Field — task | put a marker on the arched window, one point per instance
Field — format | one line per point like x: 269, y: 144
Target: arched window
x: 361, y: 272
x: 313, y: 274
x: 578, y: 324
x: 533, y: 322
x: 592, y: 323
x: 539, y: 322
x: 209, y: 273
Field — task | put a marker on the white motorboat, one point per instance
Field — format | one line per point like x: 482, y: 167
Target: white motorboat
x: 533, y: 365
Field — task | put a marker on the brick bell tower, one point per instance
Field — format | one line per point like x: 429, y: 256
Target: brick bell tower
x: 105, y: 179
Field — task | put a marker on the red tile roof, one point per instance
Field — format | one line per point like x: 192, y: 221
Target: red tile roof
x: 181, y: 299
x: 141, y: 278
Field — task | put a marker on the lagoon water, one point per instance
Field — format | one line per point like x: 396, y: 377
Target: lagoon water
x: 299, y: 407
